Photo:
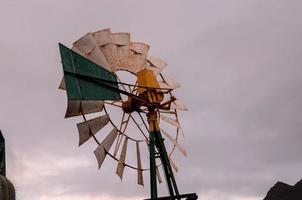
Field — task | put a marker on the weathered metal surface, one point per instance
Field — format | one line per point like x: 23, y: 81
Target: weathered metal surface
x: 173, y: 164
x: 83, y: 78
x: 91, y: 127
x: 122, y: 56
x: 128, y: 60
x: 164, y: 85
x: 97, y: 56
x: 62, y: 85
x: 77, y: 108
x: 77, y: 50
x: 103, y: 37
x: 140, y: 48
x: 170, y: 120
x: 121, y: 38
x: 171, y: 82
x: 110, y: 52
x: 88, y: 47
x: 160, y: 180
x: 140, y: 178
x: 178, y: 105
x: 136, y: 62
x: 116, y: 51
x: 120, y: 165
x: 155, y: 64
x: 86, y: 43
x: 174, y: 141
x: 91, y: 106
x: 100, y: 151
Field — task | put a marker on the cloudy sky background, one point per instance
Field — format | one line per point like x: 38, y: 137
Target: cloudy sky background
x: 239, y: 64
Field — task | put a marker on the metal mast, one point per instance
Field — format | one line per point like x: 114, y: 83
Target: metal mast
x: 157, y: 142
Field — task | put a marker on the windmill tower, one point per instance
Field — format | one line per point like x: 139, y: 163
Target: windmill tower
x: 92, y: 81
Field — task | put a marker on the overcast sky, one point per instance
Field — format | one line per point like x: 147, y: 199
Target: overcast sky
x: 239, y: 64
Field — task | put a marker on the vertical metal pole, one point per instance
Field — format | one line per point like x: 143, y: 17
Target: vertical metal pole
x: 2, y: 155
x: 156, y: 140
x: 173, y: 189
x: 153, y: 183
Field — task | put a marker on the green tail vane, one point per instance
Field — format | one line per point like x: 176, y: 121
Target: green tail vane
x: 83, y: 78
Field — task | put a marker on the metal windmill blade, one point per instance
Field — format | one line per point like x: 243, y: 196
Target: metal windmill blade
x: 93, y: 85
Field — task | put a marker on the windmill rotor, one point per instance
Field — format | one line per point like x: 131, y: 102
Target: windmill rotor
x: 93, y: 83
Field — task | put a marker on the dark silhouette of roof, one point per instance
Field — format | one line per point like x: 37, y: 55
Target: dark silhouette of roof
x: 283, y: 191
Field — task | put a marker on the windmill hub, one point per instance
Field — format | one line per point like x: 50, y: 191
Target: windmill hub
x: 131, y: 105
x: 148, y: 88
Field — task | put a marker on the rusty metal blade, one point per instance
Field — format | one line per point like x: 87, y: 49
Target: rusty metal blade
x: 173, y: 164
x: 180, y: 148
x: 164, y: 85
x: 86, y: 43
x: 110, y: 52
x: 157, y: 62
x: 140, y: 48
x: 121, y: 38
x: 128, y: 60
x: 91, y: 127
x: 97, y: 56
x: 172, y: 83
x: 122, y: 56
x: 169, y: 120
x: 77, y: 108
x: 77, y: 50
x: 178, y: 105
x: 120, y: 165
x: 103, y: 37
x: 158, y: 175
x: 140, y: 178
x: 100, y: 151
x: 62, y: 85
x: 136, y: 62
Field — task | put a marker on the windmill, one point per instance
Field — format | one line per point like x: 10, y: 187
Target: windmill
x: 94, y: 84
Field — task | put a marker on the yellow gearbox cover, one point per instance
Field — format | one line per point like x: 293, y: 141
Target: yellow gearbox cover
x: 146, y: 78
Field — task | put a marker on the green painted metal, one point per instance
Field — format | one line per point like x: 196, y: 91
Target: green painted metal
x: 153, y: 183
x: 156, y: 141
x: 86, y: 80
x: 2, y: 155
x: 170, y: 179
